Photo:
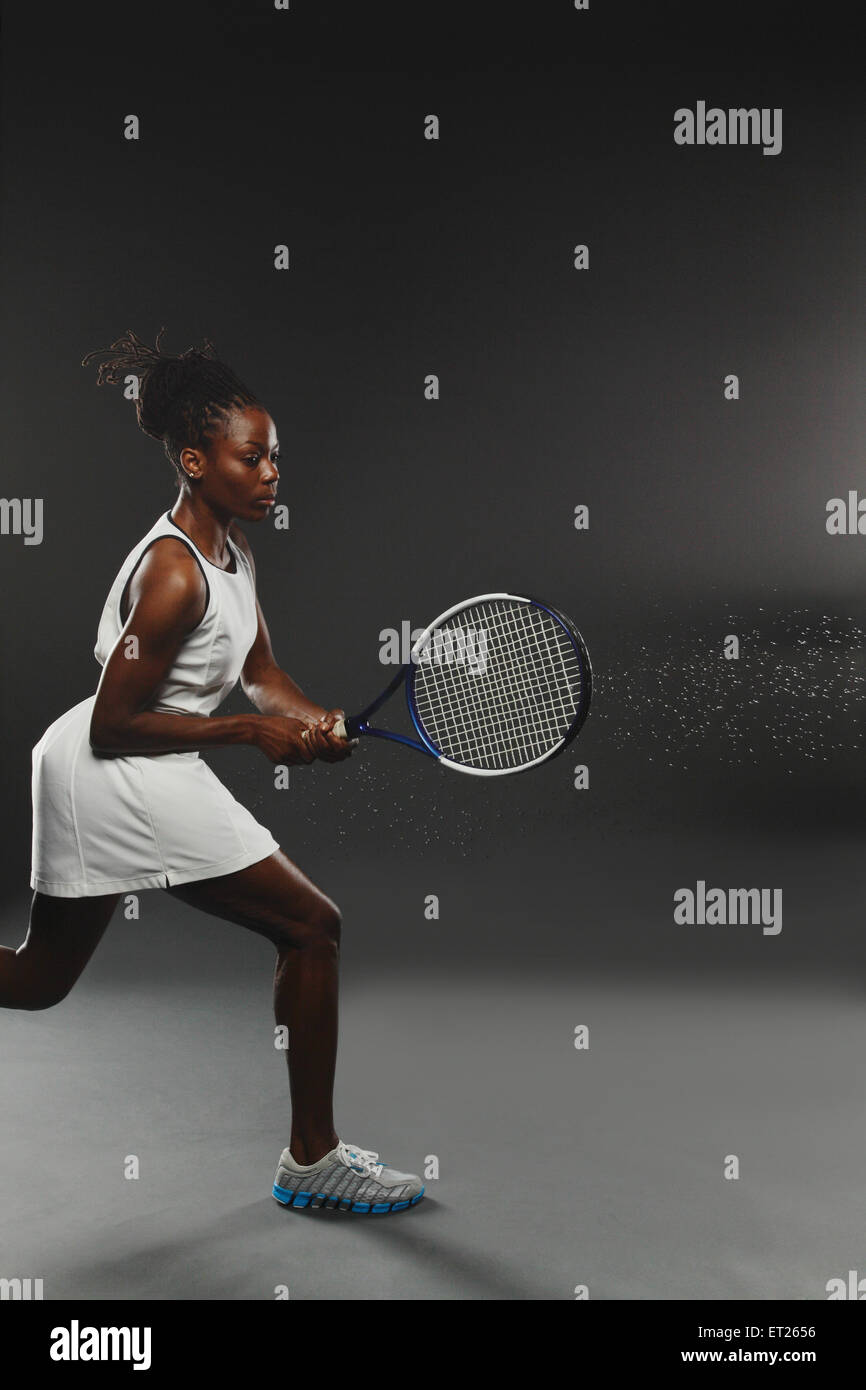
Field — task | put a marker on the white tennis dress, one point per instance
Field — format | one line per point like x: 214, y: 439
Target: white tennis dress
x: 108, y: 825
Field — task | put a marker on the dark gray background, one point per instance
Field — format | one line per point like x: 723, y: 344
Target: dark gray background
x: 558, y: 387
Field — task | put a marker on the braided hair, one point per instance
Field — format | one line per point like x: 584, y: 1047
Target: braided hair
x: 180, y: 398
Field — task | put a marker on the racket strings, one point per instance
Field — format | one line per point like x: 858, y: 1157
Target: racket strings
x: 517, y: 701
x: 507, y: 714
x: 500, y: 723
x: 507, y: 702
x: 542, y: 717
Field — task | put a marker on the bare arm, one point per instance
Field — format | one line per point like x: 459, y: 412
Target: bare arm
x: 272, y: 691
x: 268, y: 687
x: 167, y: 600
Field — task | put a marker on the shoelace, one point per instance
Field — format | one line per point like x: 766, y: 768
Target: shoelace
x: 361, y: 1160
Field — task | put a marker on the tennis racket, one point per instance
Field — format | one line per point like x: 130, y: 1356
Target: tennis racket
x: 497, y: 684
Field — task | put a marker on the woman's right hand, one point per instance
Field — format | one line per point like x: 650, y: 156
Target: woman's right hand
x: 293, y: 741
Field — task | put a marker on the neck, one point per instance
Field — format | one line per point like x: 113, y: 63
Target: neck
x: 209, y: 531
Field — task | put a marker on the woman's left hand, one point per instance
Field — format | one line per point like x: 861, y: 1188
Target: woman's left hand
x: 324, y: 743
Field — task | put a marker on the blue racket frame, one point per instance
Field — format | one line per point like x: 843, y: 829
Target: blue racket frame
x: 357, y: 724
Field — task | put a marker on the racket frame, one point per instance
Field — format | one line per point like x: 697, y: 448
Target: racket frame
x: 358, y: 724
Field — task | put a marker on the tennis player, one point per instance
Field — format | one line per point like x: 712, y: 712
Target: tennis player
x: 123, y: 801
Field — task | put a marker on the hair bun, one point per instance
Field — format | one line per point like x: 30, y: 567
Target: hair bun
x: 180, y: 396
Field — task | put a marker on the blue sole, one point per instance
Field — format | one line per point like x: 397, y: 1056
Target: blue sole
x: 303, y: 1199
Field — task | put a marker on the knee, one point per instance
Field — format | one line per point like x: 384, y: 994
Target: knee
x: 325, y: 922
x: 44, y: 997
x: 318, y: 929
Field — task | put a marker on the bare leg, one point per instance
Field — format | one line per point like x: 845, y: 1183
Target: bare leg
x: 275, y: 899
x: 62, y: 936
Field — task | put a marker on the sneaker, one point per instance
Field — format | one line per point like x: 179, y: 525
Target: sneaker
x: 347, y: 1177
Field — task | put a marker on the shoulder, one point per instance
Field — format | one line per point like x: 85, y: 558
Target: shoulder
x: 169, y: 564
x: 242, y: 543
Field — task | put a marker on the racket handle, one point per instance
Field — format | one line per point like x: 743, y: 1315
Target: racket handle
x: 340, y: 729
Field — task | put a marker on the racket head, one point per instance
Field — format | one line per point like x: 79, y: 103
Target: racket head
x: 499, y: 684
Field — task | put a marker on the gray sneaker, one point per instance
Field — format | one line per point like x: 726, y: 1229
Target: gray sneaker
x: 349, y: 1178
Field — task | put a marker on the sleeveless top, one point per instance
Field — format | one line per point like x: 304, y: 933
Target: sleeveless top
x: 211, y: 658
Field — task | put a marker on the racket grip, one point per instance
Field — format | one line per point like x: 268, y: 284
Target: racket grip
x: 346, y: 728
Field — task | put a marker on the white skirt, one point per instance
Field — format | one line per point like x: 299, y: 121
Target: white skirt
x: 112, y: 825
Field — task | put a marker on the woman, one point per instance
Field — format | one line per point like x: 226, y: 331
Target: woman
x: 121, y: 798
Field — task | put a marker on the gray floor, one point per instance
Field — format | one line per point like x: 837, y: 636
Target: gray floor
x: 557, y: 1167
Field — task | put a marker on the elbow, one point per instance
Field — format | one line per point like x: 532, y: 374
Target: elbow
x: 252, y: 688
x: 103, y: 740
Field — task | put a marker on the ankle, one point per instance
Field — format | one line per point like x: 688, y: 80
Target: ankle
x: 306, y: 1151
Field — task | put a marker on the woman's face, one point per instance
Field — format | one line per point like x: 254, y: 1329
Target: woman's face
x: 238, y: 476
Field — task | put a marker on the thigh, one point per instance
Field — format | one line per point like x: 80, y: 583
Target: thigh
x: 62, y: 935
x: 272, y: 897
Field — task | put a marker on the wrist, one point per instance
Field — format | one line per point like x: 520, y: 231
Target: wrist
x: 307, y: 714
x: 248, y: 731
